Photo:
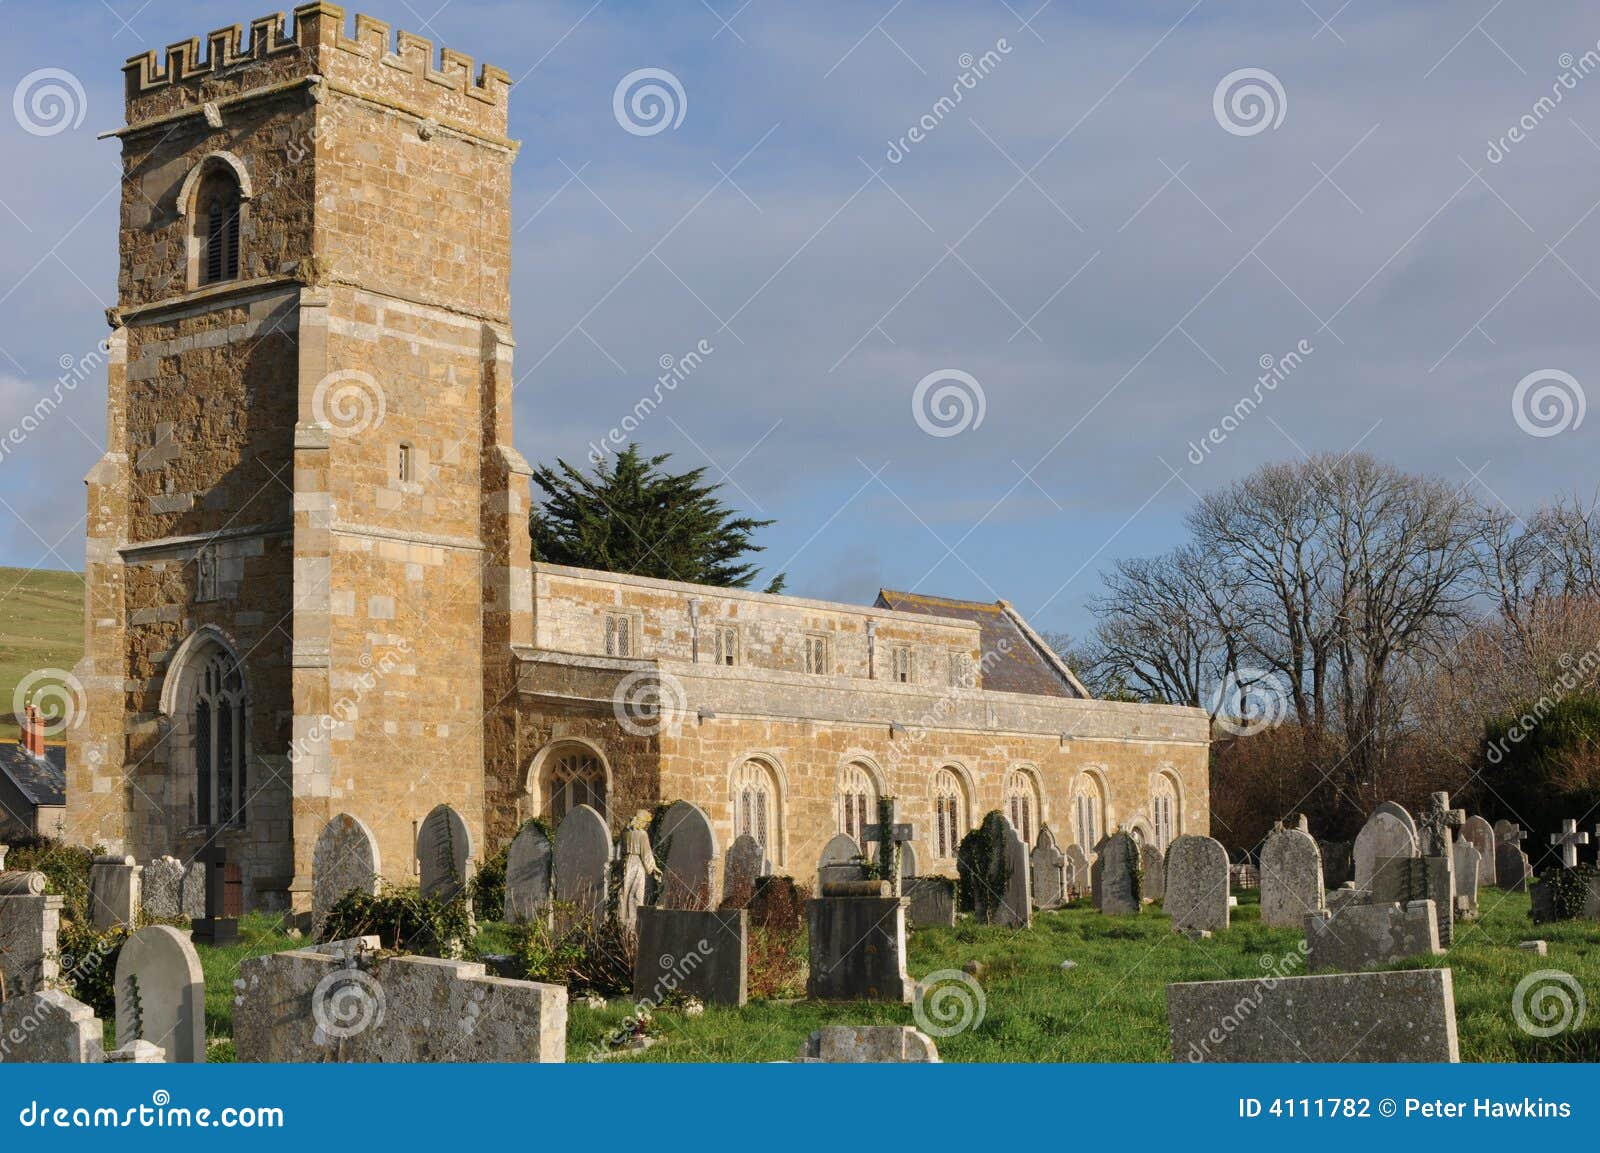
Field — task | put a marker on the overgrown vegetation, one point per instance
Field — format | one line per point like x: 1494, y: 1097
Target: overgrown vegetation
x: 584, y: 953
x: 402, y: 918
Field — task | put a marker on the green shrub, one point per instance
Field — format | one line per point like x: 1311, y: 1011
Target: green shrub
x: 402, y: 919
x: 65, y: 869
x: 488, y: 887
x: 584, y: 953
x: 88, y: 959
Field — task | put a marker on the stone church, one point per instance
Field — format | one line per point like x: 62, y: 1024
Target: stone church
x: 309, y: 585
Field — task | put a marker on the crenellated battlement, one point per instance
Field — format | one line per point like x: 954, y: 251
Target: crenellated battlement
x: 399, y: 68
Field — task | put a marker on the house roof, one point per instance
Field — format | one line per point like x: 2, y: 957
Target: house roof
x: 1014, y: 658
x: 42, y: 780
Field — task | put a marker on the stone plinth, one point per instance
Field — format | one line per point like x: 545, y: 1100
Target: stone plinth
x: 858, y: 950
x: 701, y: 954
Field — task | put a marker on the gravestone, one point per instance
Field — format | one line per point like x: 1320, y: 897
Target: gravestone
x: 530, y: 866
x: 161, y: 994
x: 1004, y: 894
x: 686, y: 846
x: 1481, y: 833
x: 694, y: 953
x: 1437, y: 840
x: 29, y: 922
x: 1153, y: 863
x: 745, y: 861
x: 858, y: 944
x: 1197, y: 884
x: 930, y: 901
x: 113, y: 892
x: 1567, y: 842
x: 1291, y: 877
x: 444, y: 846
x: 868, y: 1045
x: 582, y: 861
x: 220, y: 925
x: 1077, y: 869
x: 1469, y: 868
x: 1115, y: 875
x: 317, y: 1005
x: 1389, y: 832
x: 1049, y: 867
x: 344, y: 860
x: 161, y: 889
x: 49, y: 1027
x: 1511, y: 867
x: 908, y: 863
x: 1367, y: 936
x: 1342, y: 1017
x: 194, y: 890
x: 840, y: 861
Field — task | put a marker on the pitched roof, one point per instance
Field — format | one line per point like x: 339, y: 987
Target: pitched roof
x: 43, y: 780
x: 1014, y: 658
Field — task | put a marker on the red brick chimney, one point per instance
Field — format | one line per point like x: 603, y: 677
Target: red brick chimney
x: 31, y: 737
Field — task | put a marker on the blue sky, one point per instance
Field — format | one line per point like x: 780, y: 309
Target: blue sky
x: 1085, y: 236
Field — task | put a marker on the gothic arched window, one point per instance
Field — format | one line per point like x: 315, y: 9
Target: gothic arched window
x: 858, y: 801
x: 573, y: 776
x: 949, y: 813
x: 217, y: 716
x: 1022, y: 804
x: 1088, y: 809
x: 755, y: 805
x: 1164, y: 810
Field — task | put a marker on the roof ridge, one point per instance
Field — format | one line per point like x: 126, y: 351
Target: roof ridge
x: 889, y: 592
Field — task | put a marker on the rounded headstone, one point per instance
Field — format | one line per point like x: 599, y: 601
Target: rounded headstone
x: 1197, y: 884
x: 345, y: 859
x: 161, y: 993
x: 1389, y: 832
x: 1115, y: 875
x: 444, y: 846
x: 1154, y: 864
x: 746, y: 861
x: 686, y: 846
x: 1481, y: 833
x: 530, y: 869
x: 582, y: 859
x: 1291, y: 878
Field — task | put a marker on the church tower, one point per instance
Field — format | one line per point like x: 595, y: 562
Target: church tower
x: 308, y: 553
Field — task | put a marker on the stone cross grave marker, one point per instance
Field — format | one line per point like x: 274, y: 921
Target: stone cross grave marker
x: 1568, y: 840
x: 890, y: 835
x: 1510, y: 862
x: 216, y: 927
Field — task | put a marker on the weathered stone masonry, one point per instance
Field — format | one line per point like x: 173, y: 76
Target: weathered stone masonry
x: 308, y: 538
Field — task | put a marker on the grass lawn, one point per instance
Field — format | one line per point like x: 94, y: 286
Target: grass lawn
x: 1110, y: 1007
x: 41, y: 627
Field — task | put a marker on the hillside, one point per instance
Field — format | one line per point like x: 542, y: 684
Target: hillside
x: 41, y: 627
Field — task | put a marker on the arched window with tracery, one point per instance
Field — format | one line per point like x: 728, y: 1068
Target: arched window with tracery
x: 1164, y: 810
x: 949, y: 813
x: 858, y: 801
x: 573, y: 776
x: 1022, y: 804
x: 217, y: 724
x: 1088, y: 809
x: 755, y: 805
x: 217, y: 211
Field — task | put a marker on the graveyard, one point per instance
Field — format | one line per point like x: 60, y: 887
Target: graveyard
x: 659, y: 946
